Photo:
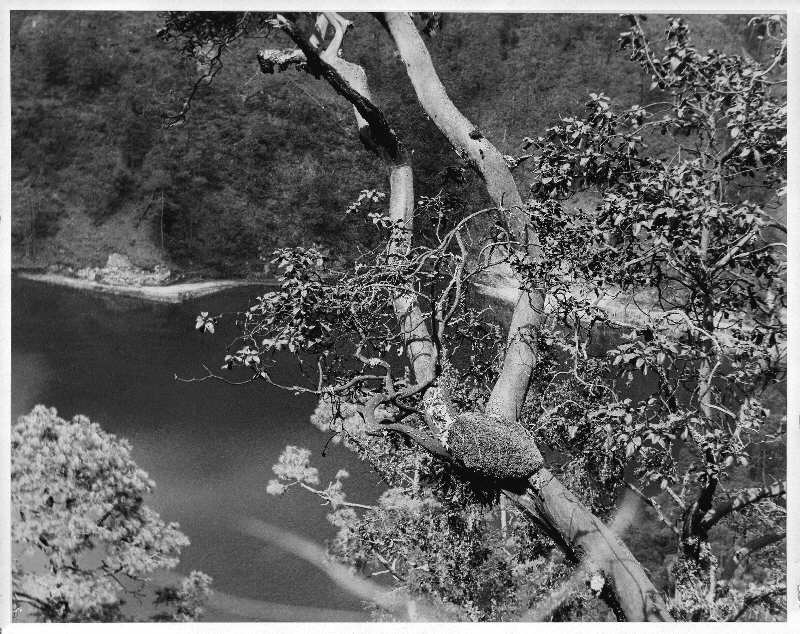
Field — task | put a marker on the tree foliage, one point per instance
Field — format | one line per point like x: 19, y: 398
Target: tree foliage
x: 688, y: 234
x: 663, y: 207
x: 84, y: 540
x: 263, y: 161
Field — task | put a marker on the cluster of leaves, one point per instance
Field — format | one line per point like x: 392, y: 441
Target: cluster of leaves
x: 670, y: 231
x: 673, y: 405
x: 342, y: 328
x: 342, y: 324
x: 452, y: 553
x: 184, y: 602
x: 714, y: 90
x: 196, y: 29
x: 78, y: 501
x: 312, y: 314
x: 765, y: 596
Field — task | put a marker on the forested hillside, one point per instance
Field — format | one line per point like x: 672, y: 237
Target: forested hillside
x: 541, y: 301
x: 265, y: 161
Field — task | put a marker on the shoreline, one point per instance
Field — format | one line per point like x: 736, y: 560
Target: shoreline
x: 167, y: 294
x: 627, y: 314
x: 184, y: 291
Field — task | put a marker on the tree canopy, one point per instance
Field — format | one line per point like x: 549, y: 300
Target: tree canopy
x: 84, y: 540
x: 638, y: 357
x: 662, y: 207
x: 264, y: 161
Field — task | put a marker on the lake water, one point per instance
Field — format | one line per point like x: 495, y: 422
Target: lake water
x: 209, y: 446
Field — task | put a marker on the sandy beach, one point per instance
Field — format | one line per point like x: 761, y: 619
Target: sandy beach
x: 169, y: 293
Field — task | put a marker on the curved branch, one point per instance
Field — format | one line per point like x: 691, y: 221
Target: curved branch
x: 463, y: 135
x: 418, y: 436
x: 24, y: 597
x: 350, y: 81
x: 576, y: 525
x: 214, y: 65
x: 754, y: 545
x: 741, y: 500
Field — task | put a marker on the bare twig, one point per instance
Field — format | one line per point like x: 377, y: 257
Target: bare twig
x: 655, y: 506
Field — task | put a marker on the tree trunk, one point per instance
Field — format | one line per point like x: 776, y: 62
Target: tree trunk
x: 547, y: 500
x: 419, y: 346
x: 637, y: 597
x: 350, y: 81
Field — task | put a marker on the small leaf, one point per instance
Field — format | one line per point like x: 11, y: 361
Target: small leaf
x: 572, y: 430
x: 597, y: 583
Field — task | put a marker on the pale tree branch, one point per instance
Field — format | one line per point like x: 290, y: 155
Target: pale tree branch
x: 402, y: 605
x: 652, y: 503
x: 754, y: 545
x: 741, y: 500
x: 350, y: 81
x: 586, y: 572
x: 575, y: 524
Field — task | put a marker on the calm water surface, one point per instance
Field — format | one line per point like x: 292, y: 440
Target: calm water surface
x: 209, y: 446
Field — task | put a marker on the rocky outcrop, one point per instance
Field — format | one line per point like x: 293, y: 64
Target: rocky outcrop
x: 120, y: 271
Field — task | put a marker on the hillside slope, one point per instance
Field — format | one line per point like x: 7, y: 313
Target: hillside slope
x: 264, y: 161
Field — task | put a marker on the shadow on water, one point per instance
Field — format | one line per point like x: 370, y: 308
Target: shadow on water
x: 209, y: 446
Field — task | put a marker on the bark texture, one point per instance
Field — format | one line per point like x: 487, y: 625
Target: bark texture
x: 547, y: 498
x: 555, y: 509
x: 739, y: 501
x: 350, y: 81
x: 509, y: 392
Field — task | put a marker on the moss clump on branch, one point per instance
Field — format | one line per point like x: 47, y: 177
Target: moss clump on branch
x: 493, y: 447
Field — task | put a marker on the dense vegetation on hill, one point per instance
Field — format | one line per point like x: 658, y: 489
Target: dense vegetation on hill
x: 265, y: 161
x: 680, y: 197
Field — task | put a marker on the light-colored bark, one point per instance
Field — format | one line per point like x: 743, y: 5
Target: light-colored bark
x: 547, y: 496
x: 419, y: 346
x: 741, y: 500
x: 460, y: 131
x: 350, y: 81
x: 547, y: 501
x: 634, y: 591
x: 509, y: 392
